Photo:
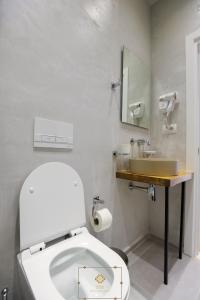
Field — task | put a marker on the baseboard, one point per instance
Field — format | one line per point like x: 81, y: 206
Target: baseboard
x: 135, y: 243
x: 141, y: 239
x: 161, y: 241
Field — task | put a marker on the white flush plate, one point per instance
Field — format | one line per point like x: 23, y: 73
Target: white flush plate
x: 52, y: 134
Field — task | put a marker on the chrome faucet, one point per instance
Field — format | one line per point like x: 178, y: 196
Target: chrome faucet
x: 140, y: 141
x: 143, y: 142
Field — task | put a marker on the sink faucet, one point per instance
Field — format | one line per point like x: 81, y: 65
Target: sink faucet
x: 140, y: 143
x: 143, y: 142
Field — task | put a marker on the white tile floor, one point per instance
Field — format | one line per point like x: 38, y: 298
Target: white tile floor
x: 146, y: 274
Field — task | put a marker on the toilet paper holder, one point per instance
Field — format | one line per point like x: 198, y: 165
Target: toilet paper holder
x: 96, y: 201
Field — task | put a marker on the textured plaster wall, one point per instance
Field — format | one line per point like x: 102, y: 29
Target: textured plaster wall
x: 172, y: 20
x: 57, y: 60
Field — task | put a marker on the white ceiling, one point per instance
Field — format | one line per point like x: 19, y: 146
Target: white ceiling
x: 151, y: 2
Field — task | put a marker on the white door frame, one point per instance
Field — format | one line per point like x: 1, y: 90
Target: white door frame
x: 192, y: 212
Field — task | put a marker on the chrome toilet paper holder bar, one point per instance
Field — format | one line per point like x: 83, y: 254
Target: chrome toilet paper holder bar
x: 96, y: 201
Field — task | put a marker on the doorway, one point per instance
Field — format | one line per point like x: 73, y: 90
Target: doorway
x: 192, y: 216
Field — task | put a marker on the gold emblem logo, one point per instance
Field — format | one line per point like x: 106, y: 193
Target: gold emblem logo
x: 100, y: 278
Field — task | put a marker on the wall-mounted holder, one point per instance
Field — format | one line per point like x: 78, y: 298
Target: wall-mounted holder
x: 137, y: 109
x: 167, y: 104
x: 4, y: 294
x: 96, y: 202
x: 115, y: 84
x: 115, y: 153
x: 122, y: 156
x: 150, y: 190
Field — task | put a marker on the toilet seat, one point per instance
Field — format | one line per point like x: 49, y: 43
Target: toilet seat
x: 52, y: 206
x: 39, y: 266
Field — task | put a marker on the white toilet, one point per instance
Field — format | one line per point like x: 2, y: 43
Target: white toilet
x: 77, y: 267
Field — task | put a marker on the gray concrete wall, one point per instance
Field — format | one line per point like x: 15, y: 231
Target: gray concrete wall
x: 57, y: 60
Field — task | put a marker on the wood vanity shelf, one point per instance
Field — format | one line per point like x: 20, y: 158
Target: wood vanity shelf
x: 166, y: 182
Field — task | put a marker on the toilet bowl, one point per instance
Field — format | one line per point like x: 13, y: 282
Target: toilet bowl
x: 59, y: 258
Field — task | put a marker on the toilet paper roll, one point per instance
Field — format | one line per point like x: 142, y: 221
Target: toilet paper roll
x: 102, y: 220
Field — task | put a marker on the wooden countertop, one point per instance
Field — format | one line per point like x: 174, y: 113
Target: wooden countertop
x: 157, y: 180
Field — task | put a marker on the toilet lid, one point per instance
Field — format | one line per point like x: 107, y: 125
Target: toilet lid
x: 51, y: 204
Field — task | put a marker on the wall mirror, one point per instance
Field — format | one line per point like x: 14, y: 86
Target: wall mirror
x: 135, y: 90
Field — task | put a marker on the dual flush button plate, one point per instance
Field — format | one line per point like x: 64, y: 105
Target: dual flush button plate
x: 52, y: 134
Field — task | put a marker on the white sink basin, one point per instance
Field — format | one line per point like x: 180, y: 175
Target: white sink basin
x: 155, y: 166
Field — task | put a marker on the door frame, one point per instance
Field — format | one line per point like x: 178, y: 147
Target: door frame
x: 192, y: 212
